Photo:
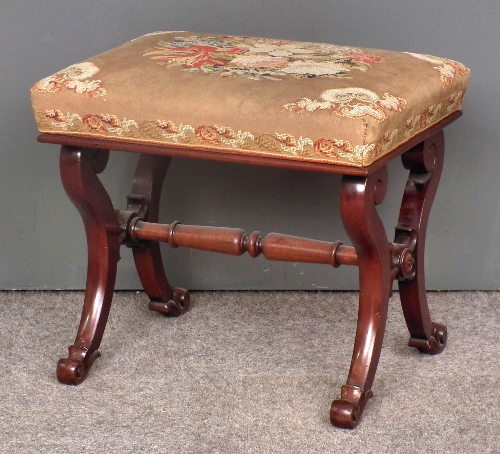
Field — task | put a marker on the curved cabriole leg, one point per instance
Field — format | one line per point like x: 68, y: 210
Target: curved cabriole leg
x: 145, y: 200
x: 79, y: 169
x: 425, y: 162
x: 357, y: 204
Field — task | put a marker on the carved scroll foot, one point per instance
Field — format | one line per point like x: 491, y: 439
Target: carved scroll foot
x: 435, y: 344
x: 178, y: 305
x: 346, y: 412
x: 72, y: 370
x: 425, y: 162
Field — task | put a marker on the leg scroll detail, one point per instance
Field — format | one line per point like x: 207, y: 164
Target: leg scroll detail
x: 79, y: 168
x: 346, y: 412
x: 178, y: 305
x: 435, y: 344
x: 74, y: 370
x: 425, y: 162
x: 145, y: 201
x: 365, y: 229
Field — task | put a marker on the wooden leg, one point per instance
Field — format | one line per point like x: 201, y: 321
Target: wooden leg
x: 79, y: 169
x: 358, y: 198
x: 425, y: 162
x: 145, y: 200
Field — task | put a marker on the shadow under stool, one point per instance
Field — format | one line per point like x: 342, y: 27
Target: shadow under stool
x: 264, y: 102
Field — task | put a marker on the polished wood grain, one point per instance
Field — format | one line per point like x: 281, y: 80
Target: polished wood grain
x: 425, y: 162
x: 144, y: 200
x: 79, y: 168
x: 274, y: 246
x: 358, y: 198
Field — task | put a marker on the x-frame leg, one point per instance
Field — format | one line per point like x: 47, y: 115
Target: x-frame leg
x: 379, y: 261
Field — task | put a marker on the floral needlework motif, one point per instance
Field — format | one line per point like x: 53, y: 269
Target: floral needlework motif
x: 227, y: 139
x: 75, y: 77
x: 433, y: 113
x: 351, y: 103
x: 342, y: 148
x: 92, y: 123
x: 56, y: 120
x: 447, y: 68
x: 260, y: 58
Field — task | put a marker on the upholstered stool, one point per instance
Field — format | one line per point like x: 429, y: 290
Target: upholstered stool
x: 266, y: 102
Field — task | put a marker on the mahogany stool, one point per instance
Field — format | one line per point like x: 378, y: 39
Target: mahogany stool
x: 265, y: 102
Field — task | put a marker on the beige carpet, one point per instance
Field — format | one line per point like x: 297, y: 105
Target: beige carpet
x: 245, y: 372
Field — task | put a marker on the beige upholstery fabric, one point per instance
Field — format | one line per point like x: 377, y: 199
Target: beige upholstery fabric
x: 291, y: 100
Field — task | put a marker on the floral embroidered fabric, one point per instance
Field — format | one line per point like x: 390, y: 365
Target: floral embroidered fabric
x: 75, y: 77
x: 258, y: 58
x: 351, y: 103
x: 289, y: 100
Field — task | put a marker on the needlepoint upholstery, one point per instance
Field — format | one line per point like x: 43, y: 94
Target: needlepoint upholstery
x: 254, y: 96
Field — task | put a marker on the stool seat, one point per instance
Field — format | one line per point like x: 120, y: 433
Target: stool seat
x: 289, y: 100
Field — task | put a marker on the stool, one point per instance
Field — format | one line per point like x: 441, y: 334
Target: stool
x: 265, y: 102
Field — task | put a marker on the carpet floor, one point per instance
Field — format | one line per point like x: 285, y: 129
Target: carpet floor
x: 245, y: 372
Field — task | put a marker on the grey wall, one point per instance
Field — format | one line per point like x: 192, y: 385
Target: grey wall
x: 42, y: 242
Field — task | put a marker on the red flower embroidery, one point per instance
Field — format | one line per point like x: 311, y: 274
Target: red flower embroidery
x: 332, y: 147
x: 207, y: 134
x: 196, y: 56
x: 260, y: 58
x: 94, y: 122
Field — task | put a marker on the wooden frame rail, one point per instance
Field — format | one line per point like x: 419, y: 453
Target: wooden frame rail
x: 274, y: 246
